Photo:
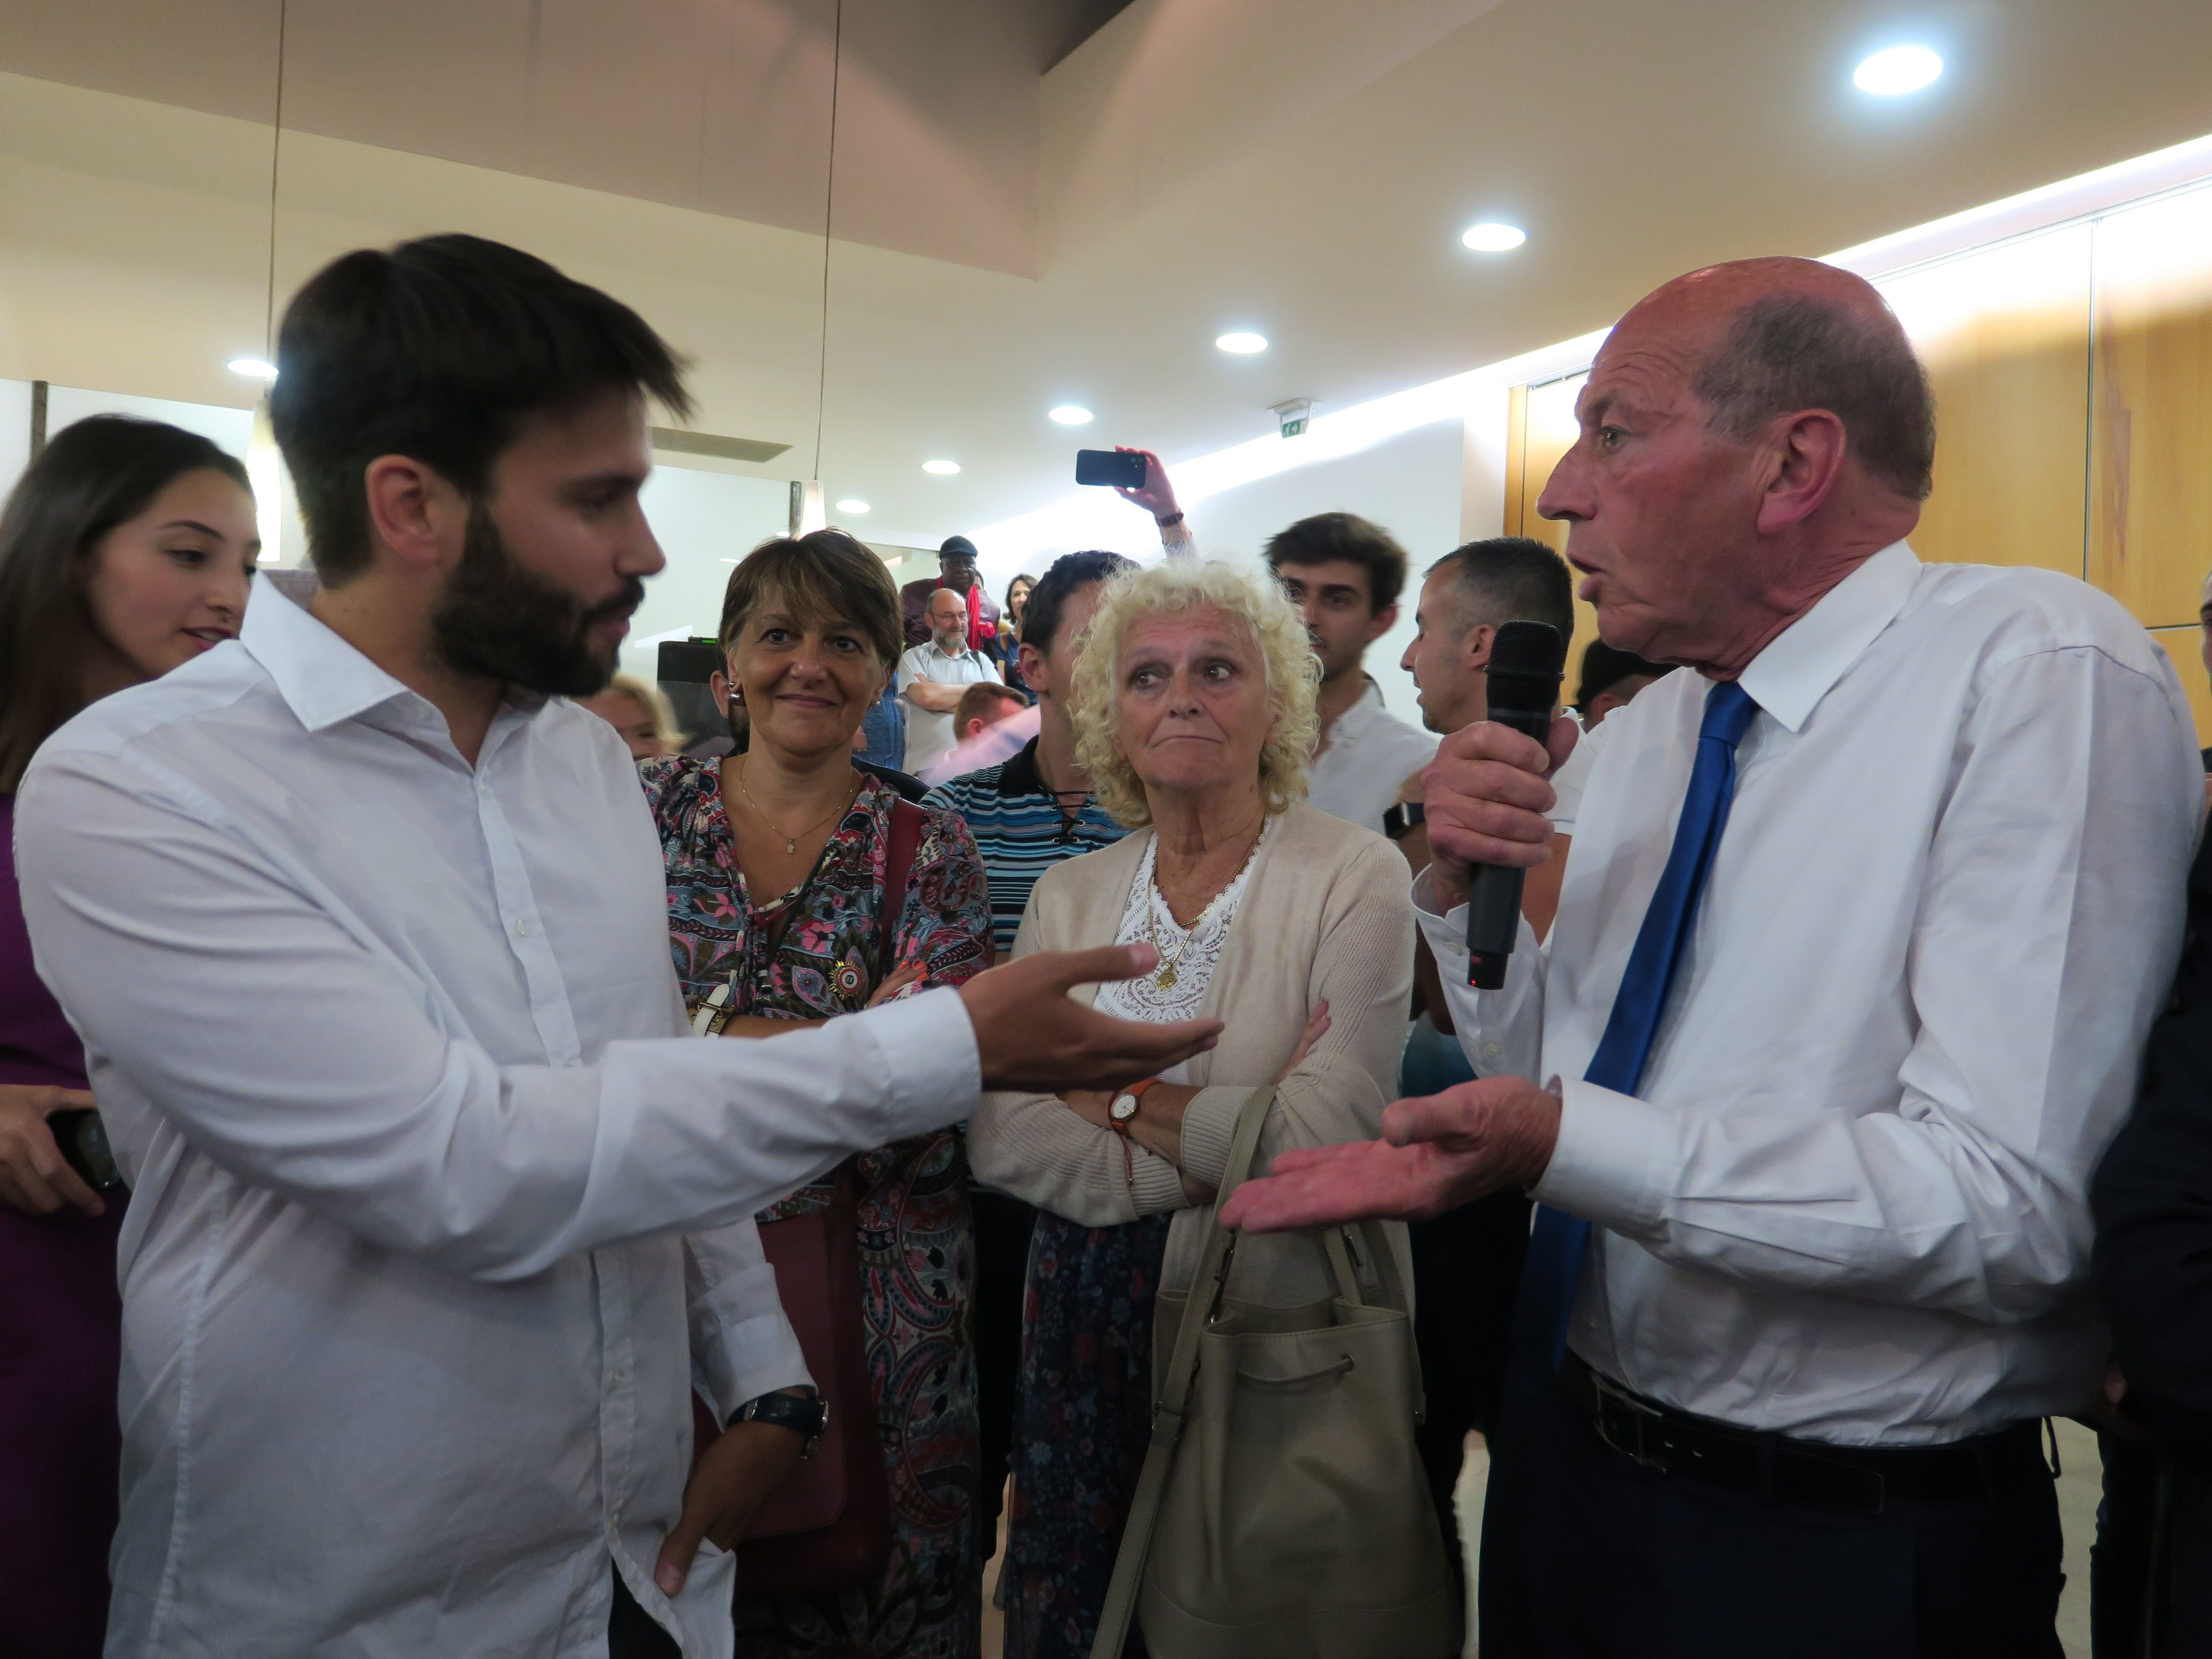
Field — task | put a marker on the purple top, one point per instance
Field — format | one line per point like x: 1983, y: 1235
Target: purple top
x: 36, y: 1043
x: 60, y: 1327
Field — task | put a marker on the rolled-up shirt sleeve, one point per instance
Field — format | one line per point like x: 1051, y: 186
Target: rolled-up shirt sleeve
x: 742, y: 1345
x: 2050, y: 923
x: 164, y: 935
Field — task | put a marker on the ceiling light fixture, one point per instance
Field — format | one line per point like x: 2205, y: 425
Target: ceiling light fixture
x: 1242, y: 342
x: 1072, y: 415
x: 1492, y: 237
x: 942, y: 469
x: 852, y: 505
x: 1896, y: 70
x: 252, y: 367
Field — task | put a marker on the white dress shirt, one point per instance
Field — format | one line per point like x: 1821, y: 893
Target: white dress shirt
x: 1371, y: 754
x: 1849, y: 1201
x: 930, y: 735
x: 438, y: 1219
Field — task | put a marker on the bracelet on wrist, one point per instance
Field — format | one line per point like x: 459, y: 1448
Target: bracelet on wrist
x: 1171, y: 518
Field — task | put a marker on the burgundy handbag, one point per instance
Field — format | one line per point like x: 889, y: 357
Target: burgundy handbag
x: 828, y: 1525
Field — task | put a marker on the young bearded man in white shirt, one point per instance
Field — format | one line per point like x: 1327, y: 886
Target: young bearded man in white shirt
x: 1865, y: 923
x: 440, y: 1214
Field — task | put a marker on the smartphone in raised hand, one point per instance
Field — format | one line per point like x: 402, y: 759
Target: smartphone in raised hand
x: 1110, y: 467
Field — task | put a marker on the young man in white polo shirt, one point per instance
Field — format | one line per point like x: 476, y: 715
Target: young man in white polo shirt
x: 1345, y: 575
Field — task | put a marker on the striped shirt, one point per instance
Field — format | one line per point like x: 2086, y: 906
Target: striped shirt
x: 1021, y: 832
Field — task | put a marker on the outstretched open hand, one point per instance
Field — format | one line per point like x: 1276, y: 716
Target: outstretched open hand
x: 1438, y: 1152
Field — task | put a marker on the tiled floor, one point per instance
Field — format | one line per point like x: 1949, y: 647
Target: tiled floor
x: 2079, y: 1481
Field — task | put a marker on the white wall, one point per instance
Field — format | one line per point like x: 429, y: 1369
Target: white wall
x: 705, y: 522
x: 1409, y: 484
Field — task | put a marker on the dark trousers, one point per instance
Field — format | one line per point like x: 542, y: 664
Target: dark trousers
x: 633, y: 1634
x: 1588, y: 1555
x: 1467, y: 1266
x: 1003, y: 1227
x: 2150, y: 1570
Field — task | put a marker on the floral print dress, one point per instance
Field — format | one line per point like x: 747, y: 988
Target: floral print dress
x: 916, y: 1239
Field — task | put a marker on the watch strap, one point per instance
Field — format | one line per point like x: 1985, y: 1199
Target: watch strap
x: 805, y: 1415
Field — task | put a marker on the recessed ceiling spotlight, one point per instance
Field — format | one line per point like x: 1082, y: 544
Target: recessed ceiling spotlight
x: 855, y: 506
x: 254, y: 368
x: 1072, y: 415
x: 1896, y: 70
x: 1491, y: 237
x: 943, y: 469
x: 1242, y: 342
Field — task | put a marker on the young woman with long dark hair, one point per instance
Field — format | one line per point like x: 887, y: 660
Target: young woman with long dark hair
x: 125, y: 550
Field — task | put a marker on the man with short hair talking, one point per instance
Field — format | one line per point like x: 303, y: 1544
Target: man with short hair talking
x: 441, y: 1213
x: 1866, y: 921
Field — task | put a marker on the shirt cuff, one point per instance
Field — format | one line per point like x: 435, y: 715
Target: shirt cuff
x: 1446, y: 933
x: 1610, y: 1162
x: 927, y: 1047
x: 767, y: 1359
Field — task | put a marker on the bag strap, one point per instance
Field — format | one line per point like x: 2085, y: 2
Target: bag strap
x: 907, y: 825
x: 1169, y: 1415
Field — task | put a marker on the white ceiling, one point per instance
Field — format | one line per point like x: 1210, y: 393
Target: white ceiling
x: 1007, y: 239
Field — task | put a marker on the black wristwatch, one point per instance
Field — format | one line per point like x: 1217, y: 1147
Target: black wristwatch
x: 805, y: 1415
x: 1398, y: 821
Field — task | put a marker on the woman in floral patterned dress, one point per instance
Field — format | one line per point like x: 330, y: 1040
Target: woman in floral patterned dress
x: 776, y: 869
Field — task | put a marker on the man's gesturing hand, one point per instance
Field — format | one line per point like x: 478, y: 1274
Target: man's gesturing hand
x: 1486, y: 794
x: 1440, y: 1151
x: 1032, y: 1035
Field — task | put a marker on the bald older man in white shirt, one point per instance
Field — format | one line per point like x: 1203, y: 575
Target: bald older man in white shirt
x: 1866, y: 921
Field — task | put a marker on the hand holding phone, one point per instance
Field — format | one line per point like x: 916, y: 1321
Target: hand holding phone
x: 1120, y: 469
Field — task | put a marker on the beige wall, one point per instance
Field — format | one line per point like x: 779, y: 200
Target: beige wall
x: 2073, y: 377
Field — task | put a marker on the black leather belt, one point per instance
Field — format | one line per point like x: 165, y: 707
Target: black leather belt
x: 1855, y: 1479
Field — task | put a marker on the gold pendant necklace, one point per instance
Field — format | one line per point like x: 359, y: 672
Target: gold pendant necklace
x: 1165, y: 979
x: 790, y: 842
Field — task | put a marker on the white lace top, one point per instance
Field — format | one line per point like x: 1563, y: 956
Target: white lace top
x: 1146, y: 920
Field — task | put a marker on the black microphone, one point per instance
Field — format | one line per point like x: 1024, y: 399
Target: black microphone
x: 1526, y: 661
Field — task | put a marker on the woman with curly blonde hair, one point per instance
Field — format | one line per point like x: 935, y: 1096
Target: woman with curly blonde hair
x: 1194, y: 716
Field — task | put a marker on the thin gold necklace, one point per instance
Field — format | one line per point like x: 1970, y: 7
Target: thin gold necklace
x: 1166, y: 977
x: 791, y: 842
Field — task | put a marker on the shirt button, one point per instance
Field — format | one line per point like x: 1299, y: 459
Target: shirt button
x: 1491, y: 1051
x: 522, y: 926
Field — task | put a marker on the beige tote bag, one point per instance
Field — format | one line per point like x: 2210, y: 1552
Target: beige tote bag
x: 1283, y: 1513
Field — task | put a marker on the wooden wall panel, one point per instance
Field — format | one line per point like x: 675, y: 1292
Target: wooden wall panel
x: 1547, y: 430
x: 1516, y: 459
x: 2005, y: 337
x: 2150, y: 524
x: 2181, y: 644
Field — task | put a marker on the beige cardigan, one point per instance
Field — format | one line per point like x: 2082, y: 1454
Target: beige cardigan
x: 1327, y: 913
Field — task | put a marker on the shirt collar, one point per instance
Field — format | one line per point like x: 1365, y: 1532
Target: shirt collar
x: 1018, y: 773
x: 324, y: 679
x: 1802, y: 663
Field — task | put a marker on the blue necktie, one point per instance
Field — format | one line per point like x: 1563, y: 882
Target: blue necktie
x: 1558, y: 1242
